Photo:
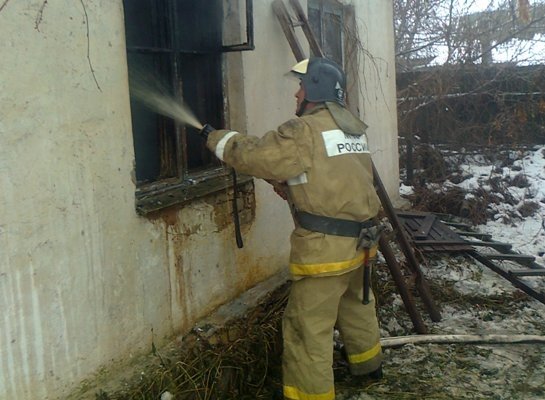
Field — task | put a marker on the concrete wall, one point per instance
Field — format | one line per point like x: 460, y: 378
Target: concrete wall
x: 86, y: 283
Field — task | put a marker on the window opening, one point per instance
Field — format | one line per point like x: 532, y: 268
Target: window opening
x: 179, y: 42
x: 326, y: 21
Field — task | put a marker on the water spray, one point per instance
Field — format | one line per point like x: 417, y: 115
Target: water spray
x: 155, y: 97
x: 160, y: 101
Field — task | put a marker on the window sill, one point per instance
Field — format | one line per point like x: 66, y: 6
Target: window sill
x: 158, y: 197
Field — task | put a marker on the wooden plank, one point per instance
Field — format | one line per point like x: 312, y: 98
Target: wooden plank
x: 499, y: 245
x: 481, y: 236
x: 305, y: 26
x: 425, y: 227
x: 540, y: 296
x: 418, y: 223
x: 451, y: 248
x: 527, y: 272
x: 402, y: 287
x: 412, y: 225
x: 431, y: 242
x: 412, y: 214
x: 285, y: 22
x: 457, y: 225
x: 511, y: 257
x: 495, y: 245
x: 444, y: 232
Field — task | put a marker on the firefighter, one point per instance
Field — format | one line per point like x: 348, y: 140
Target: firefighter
x: 324, y: 159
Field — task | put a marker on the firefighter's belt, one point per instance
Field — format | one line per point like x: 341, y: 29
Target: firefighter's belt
x: 331, y: 226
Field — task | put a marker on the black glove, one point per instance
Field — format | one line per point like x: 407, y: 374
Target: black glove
x: 206, y: 129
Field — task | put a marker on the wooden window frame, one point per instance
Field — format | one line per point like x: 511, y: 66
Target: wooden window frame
x: 332, y: 7
x: 176, y: 183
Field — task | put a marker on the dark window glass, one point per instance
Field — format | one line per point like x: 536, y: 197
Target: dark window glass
x: 332, y: 42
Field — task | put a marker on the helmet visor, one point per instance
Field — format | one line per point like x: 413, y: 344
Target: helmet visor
x: 298, y: 70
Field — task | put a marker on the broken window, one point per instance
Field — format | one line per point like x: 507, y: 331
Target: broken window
x: 326, y: 21
x: 180, y: 43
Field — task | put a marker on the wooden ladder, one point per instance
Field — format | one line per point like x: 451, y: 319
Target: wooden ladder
x: 288, y: 22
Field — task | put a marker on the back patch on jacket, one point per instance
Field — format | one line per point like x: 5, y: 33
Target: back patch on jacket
x: 338, y: 143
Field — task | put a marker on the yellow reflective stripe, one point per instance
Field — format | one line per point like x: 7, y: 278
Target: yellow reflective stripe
x: 365, y: 356
x: 295, y: 394
x: 320, y: 268
x: 312, y: 269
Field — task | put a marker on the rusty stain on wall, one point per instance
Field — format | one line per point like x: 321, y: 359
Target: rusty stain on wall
x: 206, y: 219
x: 223, y: 207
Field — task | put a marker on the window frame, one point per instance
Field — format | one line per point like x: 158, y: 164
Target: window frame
x: 333, y: 7
x: 185, y: 183
x: 350, y: 44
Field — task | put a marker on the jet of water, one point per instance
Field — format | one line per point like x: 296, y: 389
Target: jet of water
x: 148, y: 91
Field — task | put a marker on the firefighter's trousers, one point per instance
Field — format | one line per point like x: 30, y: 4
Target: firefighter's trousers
x: 315, y: 306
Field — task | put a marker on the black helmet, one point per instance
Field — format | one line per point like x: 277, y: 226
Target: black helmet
x: 322, y: 79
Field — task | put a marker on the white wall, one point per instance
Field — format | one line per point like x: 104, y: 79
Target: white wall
x: 83, y: 279
x: 377, y: 76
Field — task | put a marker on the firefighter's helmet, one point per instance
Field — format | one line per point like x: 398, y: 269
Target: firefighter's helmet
x: 322, y: 79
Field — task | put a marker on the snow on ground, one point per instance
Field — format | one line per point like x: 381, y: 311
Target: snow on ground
x: 527, y: 234
x: 473, y: 300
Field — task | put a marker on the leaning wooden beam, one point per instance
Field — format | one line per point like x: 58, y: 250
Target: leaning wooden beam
x: 407, y: 250
x: 305, y: 26
x: 285, y: 22
x: 399, y: 280
x: 465, y: 339
x: 457, y: 225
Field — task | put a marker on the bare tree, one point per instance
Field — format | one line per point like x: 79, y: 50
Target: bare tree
x: 470, y: 72
x: 438, y: 32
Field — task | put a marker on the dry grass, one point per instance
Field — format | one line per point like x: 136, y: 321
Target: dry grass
x: 238, y: 361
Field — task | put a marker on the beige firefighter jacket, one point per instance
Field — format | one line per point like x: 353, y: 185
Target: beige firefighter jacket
x: 328, y: 172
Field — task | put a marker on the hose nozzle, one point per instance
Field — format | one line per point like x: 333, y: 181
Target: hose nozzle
x: 206, y: 129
